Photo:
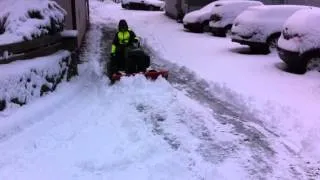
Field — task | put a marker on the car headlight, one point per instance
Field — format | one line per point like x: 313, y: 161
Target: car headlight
x: 287, y: 36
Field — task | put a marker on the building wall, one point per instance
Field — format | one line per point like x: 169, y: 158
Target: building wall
x: 185, y: 5
x: 66, y: 5
x: 305, y: 2
x: 299, y: 2
x: 82, y: 18
x: 171, y: 8
x: 80, y: 9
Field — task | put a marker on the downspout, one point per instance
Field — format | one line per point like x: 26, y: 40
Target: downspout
x: 74, y: 15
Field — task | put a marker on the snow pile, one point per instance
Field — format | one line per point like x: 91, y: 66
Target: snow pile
x: 229, y: 10
x: 69, y: 33
x: 302, y: 31
x: 203, y: 14
x: 258, y: 23
x: 25, y: 20
x: 23, y: 81
x: 156, y: 3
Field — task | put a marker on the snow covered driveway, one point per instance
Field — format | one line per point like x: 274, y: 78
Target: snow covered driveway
x: 138, y: 129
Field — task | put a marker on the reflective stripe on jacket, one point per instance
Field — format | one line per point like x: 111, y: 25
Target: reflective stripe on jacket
x: 122, y: 38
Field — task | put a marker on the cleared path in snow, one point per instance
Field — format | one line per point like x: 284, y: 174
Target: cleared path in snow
x: 136, y: 129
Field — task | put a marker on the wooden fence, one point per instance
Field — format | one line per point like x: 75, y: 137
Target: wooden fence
x: 35, y: 48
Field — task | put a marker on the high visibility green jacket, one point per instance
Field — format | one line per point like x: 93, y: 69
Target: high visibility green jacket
x: 125, y: 38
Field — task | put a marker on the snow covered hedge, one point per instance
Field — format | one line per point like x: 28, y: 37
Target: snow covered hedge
x: 22, y: 20
x: 23, y: 81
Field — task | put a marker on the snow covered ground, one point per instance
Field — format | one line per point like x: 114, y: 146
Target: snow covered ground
x: 137, y: 129
x: 287, y: 103
x: 82, y: 132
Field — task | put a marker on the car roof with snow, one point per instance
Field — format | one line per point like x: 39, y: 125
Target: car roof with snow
x: 234, y: 7
x: 202, y: 14
x: 274, y: 10
x: 235, y: 2
x: 304, y: 17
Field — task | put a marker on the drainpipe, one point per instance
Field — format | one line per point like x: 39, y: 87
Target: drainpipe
x: 74, y: 15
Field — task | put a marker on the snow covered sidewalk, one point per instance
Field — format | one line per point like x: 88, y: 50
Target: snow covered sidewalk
x: 287, y: 103
x: 135, y: 129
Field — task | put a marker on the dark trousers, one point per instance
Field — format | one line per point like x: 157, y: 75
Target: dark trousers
x: 129, y: 61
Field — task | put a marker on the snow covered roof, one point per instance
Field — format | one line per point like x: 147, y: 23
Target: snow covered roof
x: 275, y: 10
x: 25, y: 20
x: 302, y: 31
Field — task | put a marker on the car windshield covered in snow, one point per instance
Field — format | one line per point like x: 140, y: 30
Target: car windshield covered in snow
x: 22, y: 20
x: 224, y: 13
x: 199, y: 15
x: 258, y: 23
x: 260, y: 26
x: 229, y: 10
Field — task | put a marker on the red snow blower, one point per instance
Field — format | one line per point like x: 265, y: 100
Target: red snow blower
x: 136, y: 62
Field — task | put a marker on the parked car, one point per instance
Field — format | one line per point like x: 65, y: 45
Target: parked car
x: 151, y: 5
x: 300, y: 40
x: 225, y: 12
x: 260, y: 26
x: 198, y: 21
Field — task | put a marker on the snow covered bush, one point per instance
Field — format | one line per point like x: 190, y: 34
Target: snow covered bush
x: 23, y: 81
x: 25, y: 20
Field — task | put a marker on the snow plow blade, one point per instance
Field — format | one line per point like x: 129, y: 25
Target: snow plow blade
x: 153, y: 75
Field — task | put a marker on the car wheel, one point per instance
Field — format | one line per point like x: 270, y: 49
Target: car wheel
x: 219, y: 34
x: 260, y: 49
x: 126, y: 6
x: 151, y: 8
x: 314, y: 64
x: 273, y: 40
x: 205, y: 26
x: 228, y: 30
x: 300, y: 65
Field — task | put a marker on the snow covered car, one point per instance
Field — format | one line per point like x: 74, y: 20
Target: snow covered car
x: 225, y: 12
x: 152, y: 5
x: 198, y: 21
x: 300, y: 40
x: 260, y: 26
